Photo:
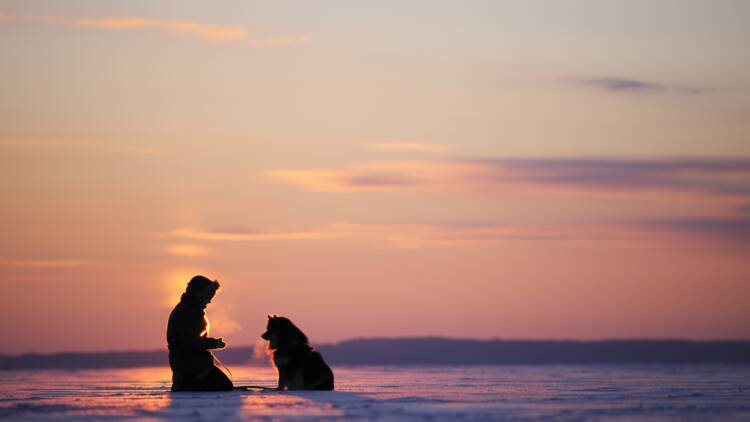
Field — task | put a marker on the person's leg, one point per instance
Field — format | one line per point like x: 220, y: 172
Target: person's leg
x: 215, y: 380
x: 184, y: 382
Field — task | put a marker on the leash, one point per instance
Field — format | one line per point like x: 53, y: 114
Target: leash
x: 254, y: 388
x: 241, y: 387
x: 224, y: 367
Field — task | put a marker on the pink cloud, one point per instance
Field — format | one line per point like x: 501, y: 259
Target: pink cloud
x: 419, y: 235
x: 44, y: 263
x: 210, y: 32
x: 712, y: 192
x: 186, y: 250
x: 219, y: 33
x: 559, y: 176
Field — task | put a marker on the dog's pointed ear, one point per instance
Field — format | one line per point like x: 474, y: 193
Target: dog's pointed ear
x: 272, y: 316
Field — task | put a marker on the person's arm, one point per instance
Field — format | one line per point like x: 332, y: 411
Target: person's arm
x: 214, y: 343
x: 191, y: 327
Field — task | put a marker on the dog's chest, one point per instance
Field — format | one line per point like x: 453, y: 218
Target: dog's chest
x: 281, y: 360
x: 290, y: 358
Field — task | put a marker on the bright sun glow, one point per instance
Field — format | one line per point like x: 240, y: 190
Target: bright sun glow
x: 175, y: 283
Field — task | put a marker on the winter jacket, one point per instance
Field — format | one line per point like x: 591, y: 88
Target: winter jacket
x: 187, y: 338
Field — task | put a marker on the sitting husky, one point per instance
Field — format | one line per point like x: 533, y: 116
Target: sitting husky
x: 300, y: 367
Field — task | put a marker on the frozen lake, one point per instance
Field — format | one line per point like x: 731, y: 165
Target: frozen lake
x: 653, y: 392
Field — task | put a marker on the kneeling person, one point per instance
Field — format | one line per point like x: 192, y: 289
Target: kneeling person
x: 190, y: 358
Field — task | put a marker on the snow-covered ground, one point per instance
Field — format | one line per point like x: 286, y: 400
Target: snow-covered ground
x: 393, y: 393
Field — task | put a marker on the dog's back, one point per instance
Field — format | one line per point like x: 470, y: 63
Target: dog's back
x: 317, y: 372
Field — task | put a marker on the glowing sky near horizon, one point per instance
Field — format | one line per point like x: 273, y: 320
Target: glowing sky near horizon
x: 526, y: 169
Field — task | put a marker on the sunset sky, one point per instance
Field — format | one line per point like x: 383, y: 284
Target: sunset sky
x: 524, y: 170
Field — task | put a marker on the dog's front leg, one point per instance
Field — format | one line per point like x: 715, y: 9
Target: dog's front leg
x: 296, y: 380
x: 281, y: 363
x: 283, y: 378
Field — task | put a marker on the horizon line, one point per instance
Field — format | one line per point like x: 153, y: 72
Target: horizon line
x: 427, y: 337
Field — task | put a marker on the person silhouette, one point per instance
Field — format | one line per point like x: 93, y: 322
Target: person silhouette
x: 190, y: 356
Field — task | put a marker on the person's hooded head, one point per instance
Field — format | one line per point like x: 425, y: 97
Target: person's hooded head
x: 200, y: 289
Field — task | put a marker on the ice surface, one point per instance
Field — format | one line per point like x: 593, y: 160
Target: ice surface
x: 393, y: 393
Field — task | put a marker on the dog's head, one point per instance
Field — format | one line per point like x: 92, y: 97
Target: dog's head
x: 280, y: 332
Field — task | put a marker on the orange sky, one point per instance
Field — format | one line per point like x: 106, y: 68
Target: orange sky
x: 511, y: 169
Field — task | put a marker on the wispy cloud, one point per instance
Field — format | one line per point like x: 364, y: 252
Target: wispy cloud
x: 186, y: 250
x: 421, y: 235
x: 44, y: 263
x: 735, y: 229
x: 602, y: 176
x: 623, y: 85
x: 206, y: 31
x: 424, y: 235
x: 192, y: 233
x: 401, y: 235
x: 717, y: 176
x: 378, y: 176
x: 720, y: 187
x: 410, y: 146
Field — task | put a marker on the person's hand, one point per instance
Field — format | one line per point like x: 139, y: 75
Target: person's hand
x: 220, y: 343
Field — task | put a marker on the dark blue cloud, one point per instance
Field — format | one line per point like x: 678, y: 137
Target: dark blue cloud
x: 718, y: 176
x: 710, y: 176
x: 714, y: 176
x: 729, y: 228
x: 380, y: 179
x: 622, y: 84
x: 617, y: 84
